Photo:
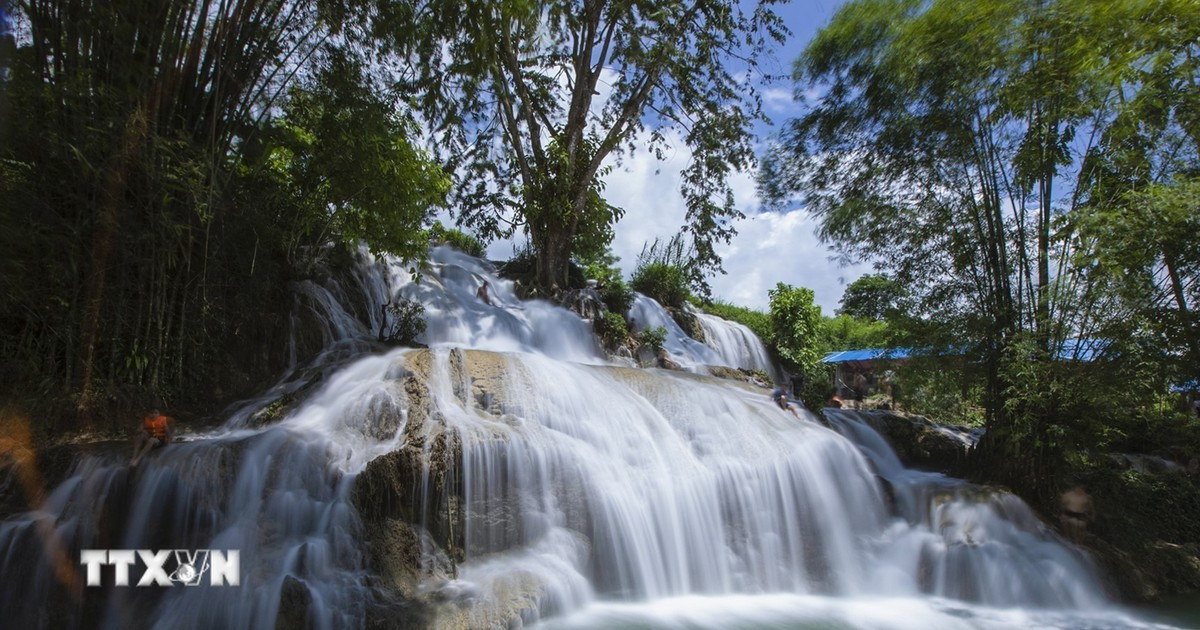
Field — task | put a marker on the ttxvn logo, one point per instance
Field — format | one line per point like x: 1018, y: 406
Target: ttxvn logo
x: 165, y: 567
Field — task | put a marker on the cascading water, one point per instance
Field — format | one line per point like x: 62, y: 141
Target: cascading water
x: 969, y: 542
x: 550, y: 486
x: 647, y: 313
x: 457, y: 317
x: 737, y: 345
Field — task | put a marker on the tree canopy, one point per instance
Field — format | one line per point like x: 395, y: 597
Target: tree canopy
x: 871, y: 296
x: 167, y: 169
x: 962, y: 147
x: 530, y: 103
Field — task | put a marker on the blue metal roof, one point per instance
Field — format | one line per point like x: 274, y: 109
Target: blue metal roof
x: 1074, y: 349
x: 867, y: 355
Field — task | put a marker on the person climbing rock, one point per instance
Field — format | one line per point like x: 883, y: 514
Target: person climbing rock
x: 482, y: 294
x: 781, y: 399
x: 155, y: 432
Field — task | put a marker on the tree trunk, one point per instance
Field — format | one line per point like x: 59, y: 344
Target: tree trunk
x: 553, y: 259
x: 103, y: 234
x: 1177, y: 291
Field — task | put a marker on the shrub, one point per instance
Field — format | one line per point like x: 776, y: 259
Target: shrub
x: 666, y: 283
x: 602, y: 269
x: 611, y: 329
x: 458, y: 239
x: 654, y: 338
x: 665, y: 272
x: 617, y: 296
x: 408, y: 322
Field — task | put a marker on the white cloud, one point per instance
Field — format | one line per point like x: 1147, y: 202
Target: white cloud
x: 778, y: 100
x: 781, y: 247
x: 770, y: 246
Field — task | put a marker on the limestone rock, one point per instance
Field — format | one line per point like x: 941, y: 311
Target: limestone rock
x: 689, y: 323
x: 294, y: 602
x: 756, y: 378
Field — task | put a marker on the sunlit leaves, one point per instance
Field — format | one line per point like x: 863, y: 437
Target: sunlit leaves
x: 532, y: 101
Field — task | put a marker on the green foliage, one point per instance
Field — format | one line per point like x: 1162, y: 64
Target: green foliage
x: 408, y: 322
x: 653, y: 338
x: 617, y: 295
x: 664, y: 283
x: 192, y: 162
x: 522, y: 140
x: 796, y: 335
x: 458, y: 239
x: 1146, y: 508
x: 346, y: 158
x: 611, y: 329
x: 796, y: 326
x: 601, y: 267
x: 664, y: 272
x: 946, y: 134
x: 1145, y: 251
x: 871, y: 297
x: 948, y: 389
x: 945, y: 146
x: 851, y: 333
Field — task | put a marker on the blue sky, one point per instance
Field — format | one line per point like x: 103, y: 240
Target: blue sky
x: 770, y: 246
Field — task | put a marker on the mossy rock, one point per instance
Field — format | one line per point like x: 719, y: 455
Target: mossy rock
x: 689, y: 323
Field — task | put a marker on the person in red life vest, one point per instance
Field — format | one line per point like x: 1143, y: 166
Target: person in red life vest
x: 155, y: 432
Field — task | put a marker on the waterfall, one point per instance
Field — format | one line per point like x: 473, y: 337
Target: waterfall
x: 455, y: 317
x: 973, y: 543
x: 736, y: 345
x: 568, y: 491
x: 647, y: 313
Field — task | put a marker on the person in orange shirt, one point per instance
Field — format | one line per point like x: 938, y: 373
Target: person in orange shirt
x: 155, y: 432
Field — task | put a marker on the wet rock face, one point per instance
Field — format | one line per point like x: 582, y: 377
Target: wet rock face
x: 758, y: 379
x: 1146, y: 464
x: 585, y: 302
x: 410, y: 500
x: 922, y: 443
x: 1076, y: 511
x: 689, y: 323
x: 294, y: 602
x: 1178, y: 566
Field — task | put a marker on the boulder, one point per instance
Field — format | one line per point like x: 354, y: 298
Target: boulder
x: 664, y: 361
x: 1146, y: 464
x: 294, y: 602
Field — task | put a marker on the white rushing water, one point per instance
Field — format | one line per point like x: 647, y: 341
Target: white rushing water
x: 737, y: 346
x: 646, y: 313
x: 593, y: 495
